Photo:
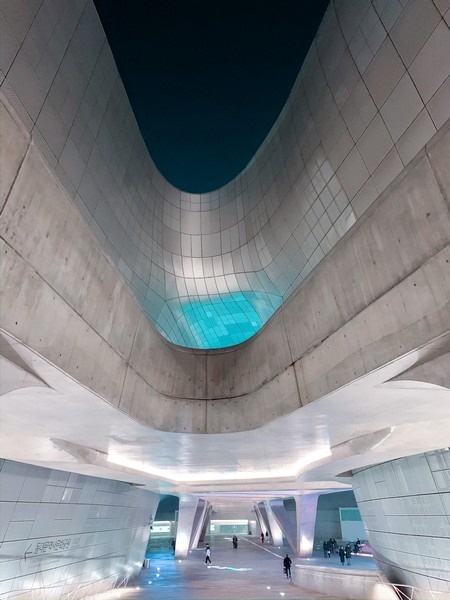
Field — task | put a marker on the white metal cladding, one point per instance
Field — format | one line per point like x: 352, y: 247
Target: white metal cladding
x: 209, y: 269
x: 69, y: 535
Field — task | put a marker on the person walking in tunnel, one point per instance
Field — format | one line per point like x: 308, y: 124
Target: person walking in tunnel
x: 267, y: 537
x: 342, y: 555
x: 287, y: 566
x: 262, y: 538
x: 208, y: 555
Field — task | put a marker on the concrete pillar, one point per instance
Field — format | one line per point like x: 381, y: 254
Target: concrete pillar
x: 202, y: 511
x: 306, y: 509
x: 186, y: 518
x: 263, y: 513
x: 260, y: 520
x: 287, y: 521
x: 274, y: 528
x: 173, y: 528
x: 297, y: 525
x: 198, y: 522
x: 206, y: 521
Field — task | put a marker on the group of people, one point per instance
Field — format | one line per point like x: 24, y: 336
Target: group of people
x: 329, y: 547
x: 264, y: 537
x: 345, y: 552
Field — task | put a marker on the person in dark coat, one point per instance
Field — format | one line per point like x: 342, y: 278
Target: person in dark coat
x: 325, y: 549
x: 287, y: 566
x: 262, y: 538
x: 348, y: 554
x: 342, y: 554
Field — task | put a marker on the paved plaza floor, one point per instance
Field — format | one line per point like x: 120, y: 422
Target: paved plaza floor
x: 253, y: 571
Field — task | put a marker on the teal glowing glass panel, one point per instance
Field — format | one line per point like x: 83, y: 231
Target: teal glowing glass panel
x: 219, y: 321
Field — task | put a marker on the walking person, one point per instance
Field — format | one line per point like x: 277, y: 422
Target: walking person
x: 325, y: 549
x: 208, y: 555
x: 342, y: 555
x: 267, y: 537
x: 262, y: 538
x: 287, y: 562
x: 348, y: 554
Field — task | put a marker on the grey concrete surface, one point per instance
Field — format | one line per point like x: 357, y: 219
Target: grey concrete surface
x: 363, y: 105
x: 318, y: 389
x: 377, y: 306
x: 261, y: 568
x: 381, y: 293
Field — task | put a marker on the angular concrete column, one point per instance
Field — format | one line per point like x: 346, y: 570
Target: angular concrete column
x: 263, y: 513
x: 199, y: 521
x: 186, y: 518
x: 274, y: 528
x: 297, y: 525
x: 306, y: 509
x: 287, y: 521
x: 260, y: 520
x: 206, y: 522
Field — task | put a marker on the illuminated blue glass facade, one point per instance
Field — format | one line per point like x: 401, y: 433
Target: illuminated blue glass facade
x: 223, y: 320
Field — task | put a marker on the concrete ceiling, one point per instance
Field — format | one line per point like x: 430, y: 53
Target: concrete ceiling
x: 50, y: 420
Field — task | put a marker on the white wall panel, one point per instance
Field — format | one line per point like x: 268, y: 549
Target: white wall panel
x: 405, y: 508
x: 63, y: 532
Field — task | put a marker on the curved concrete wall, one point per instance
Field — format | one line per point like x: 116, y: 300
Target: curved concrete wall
x: 372, y: 91
x: 405, y: 506
x: 381, y: 293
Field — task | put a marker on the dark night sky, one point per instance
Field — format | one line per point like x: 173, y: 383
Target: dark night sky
x: 208, y: 78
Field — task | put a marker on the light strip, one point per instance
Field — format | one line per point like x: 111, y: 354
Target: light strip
x: 291, y: 471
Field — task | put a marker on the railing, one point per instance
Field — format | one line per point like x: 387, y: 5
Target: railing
x: 410, y: 592
x: 322, y: 579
